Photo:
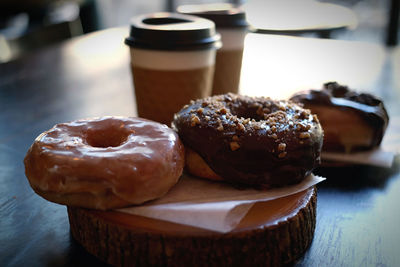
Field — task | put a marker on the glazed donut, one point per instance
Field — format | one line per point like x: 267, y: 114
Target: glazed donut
x: 104, y: 163
x: 249, y: 141
x: 351, y: 121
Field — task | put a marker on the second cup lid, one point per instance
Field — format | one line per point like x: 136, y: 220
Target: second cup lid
x: 172, y: 31
x: 224, y: 15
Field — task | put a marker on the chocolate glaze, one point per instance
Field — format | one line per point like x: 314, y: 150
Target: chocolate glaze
x: 368, y: 106
x: 252, y: 141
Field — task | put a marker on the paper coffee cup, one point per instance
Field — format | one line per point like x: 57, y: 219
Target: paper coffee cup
x: 232, y: 25
x: 172, y: 62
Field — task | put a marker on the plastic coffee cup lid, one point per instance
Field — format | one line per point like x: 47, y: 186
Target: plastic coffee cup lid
x: 224, y: 15
x: 172, y: 31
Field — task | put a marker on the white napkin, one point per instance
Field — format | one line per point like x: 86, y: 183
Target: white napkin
x: 212, y: 205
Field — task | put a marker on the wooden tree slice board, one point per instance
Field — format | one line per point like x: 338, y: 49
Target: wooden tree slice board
x: 273, y: 233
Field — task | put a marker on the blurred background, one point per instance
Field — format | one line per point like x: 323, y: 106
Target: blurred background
x: 26, y: 25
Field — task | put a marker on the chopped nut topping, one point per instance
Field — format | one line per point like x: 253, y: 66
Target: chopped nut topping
x: 281, y: 147
x: 282, y: 155
x: 304, y: 114
x: 240, y: 126
x: 273, y: 128
x: 207, y: 118
x: 194, y: 120
x: 260, y: 111
x: 200, y: 110
x: 234, y: 146
x: 223, y: 111
x: 246, y: 121
x: 204, y: 104
x: 228, y: 98
x: 304, y: 135
x: 220, y: 128
x: 304, y: 127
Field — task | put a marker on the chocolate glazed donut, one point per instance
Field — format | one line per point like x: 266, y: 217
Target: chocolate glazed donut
x: 252, y: 141
x: 344, y: 113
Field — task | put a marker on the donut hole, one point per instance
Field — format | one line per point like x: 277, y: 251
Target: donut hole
x: 246, y: 112
x: 107, y: 137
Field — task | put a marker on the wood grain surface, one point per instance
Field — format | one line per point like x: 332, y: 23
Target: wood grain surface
x: 120, y: 240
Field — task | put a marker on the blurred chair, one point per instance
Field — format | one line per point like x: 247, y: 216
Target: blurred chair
x: 30, y: 24
x: 393, y: 23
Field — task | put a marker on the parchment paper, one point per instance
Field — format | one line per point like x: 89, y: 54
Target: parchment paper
x: 211, y: 205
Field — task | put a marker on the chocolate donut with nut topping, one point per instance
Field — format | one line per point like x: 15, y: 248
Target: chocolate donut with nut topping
x: 351, y: 121
x: 250, y: 141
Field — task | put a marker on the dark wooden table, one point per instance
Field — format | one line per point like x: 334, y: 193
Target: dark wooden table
x: 358, y: 216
